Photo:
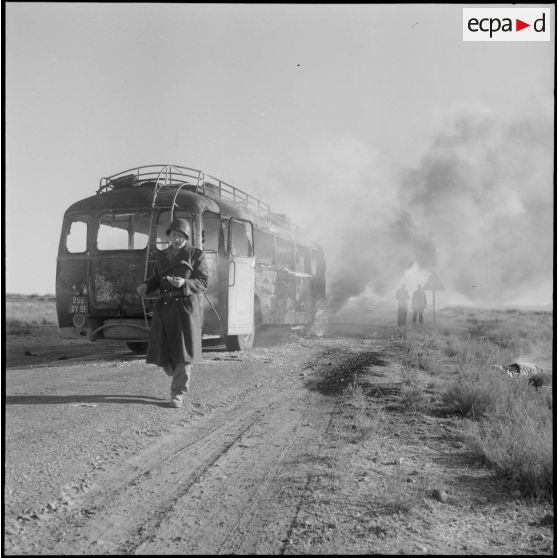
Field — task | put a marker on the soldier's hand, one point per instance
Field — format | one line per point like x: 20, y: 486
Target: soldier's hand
x: 141, y: 289
x: 176, y: 281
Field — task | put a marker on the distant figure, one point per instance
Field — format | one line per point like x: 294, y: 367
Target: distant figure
x: 402, y: 296
x: 418, y: 303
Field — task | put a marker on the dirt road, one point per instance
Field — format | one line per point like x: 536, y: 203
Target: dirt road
x: 295, y: 447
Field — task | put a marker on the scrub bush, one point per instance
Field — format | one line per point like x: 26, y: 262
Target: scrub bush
x: 507, y: 422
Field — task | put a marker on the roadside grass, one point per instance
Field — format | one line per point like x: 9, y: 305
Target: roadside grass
x: 366, y: 424
x: 412, y: 396
x: 506, y: 422
x: 399, y: 496
x: 519, y: 449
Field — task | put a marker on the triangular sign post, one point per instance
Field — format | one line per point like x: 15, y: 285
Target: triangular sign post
x: 434, y: 284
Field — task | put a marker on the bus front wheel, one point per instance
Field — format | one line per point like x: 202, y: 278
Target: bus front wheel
x: 239, y: 342
x: 246, y: 342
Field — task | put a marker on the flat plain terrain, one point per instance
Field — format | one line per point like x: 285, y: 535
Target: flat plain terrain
x: 335, y: 444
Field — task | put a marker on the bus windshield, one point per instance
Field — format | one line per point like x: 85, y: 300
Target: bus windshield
x: 123, y: 231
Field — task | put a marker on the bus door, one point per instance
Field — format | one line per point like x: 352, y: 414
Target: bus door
x: 214, y: 234
x: 240, y: 290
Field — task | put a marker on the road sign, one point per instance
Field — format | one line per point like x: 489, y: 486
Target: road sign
x: 434, y: 284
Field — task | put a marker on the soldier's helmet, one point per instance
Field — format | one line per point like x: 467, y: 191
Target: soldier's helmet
x: 181, y: 225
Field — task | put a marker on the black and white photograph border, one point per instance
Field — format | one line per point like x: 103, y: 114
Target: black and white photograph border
x: 279, y: 278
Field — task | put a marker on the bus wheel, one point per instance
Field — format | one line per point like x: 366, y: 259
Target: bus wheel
x: 246, y: 342
x: 239, y: 342
x: 137, y: 346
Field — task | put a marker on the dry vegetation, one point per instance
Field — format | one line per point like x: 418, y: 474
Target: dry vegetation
x: 33, y: 336
x: 27, y: 313
x: 507, y: 422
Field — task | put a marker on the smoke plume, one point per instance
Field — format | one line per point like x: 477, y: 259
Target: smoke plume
x: 477, y: 209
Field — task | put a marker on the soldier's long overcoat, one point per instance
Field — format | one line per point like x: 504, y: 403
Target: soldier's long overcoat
x: 175, y: 334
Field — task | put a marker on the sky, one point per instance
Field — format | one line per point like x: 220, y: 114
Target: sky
x: 399, y: 147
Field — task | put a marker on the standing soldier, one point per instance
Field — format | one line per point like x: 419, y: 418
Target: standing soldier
x: 175, y: 336
x: 402, y: 296
x: 418, y: 303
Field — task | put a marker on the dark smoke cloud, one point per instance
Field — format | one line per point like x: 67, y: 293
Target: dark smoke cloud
x: 394, y: 246
x: 477, y: 209
x: 484, y: 192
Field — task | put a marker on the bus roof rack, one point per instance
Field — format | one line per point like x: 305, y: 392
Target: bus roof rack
x: 164, y: 175
x: 156, y: 175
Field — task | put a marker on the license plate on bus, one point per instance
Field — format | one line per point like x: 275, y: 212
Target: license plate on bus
x: 78, y: 305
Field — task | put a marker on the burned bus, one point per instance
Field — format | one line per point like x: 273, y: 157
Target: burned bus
x: 261, y: 271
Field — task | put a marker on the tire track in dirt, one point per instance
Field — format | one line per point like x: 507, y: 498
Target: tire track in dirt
x: 131, y: 507
x: 252, y: 513
x: 255, y: 511
x: 63, y: 429
x: 254, y: 507
x: 310, y: 480
x: 126, y: 505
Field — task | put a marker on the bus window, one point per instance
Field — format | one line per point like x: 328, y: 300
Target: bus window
x: 313, y: 263
x: 76, y: 240
x: 302, y: 259
x: 241, y: 238
x: 123, y: 231
x: 210, y: 232
x: 163, y: 223
x: 285, y: 254
x: 225, y: 230
x: 264, y: 247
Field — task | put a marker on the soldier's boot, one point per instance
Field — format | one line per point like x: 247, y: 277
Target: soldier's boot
x: 180, y: 384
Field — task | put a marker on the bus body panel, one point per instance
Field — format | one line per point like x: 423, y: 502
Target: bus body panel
x: 71, y: 295
x: 293, y: 298
x: 285, y: 297
x: 303, y: 298
x: 114, y: 278
x: 265, y: 291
